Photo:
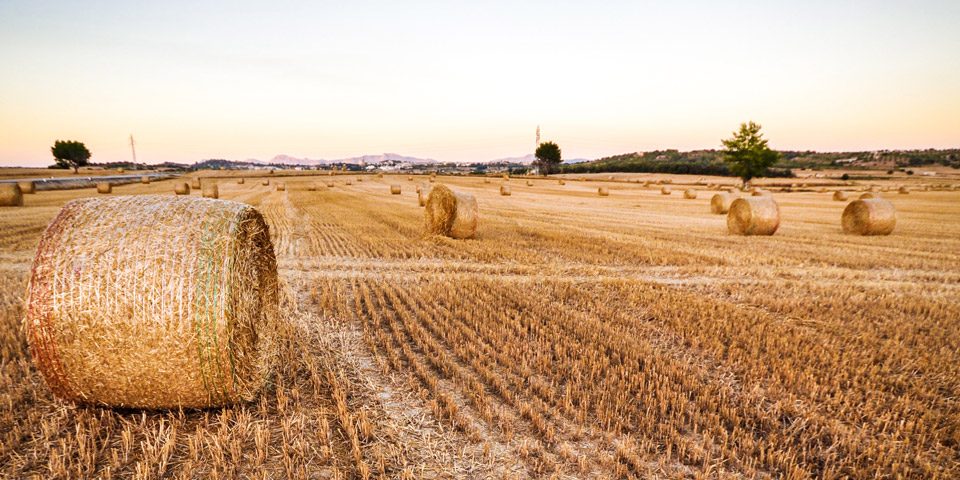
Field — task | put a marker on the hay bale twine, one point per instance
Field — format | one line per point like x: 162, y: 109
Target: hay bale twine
x: 181, y: 188
x: 281, y: 187
x: 753, y: 216
x: 145, y: 180
x: 195, y: 183
x: 265, y: 182
x: 395, y: 189
x: 720, y: 202
x: 690, y: 194
x: 665, y: 191
x: 840, y: 196
x: 240, y: 181
x: 867, y: 195
x: 505, y: 190
x: 210, y: 190
x: 104, y: 187
x: 27, y: 187
x: 153, y: 302
x: 903, y: 190
x: 603, y: 191
x: 453, y: 214
x: 871, y: 216
x: 10, y: 195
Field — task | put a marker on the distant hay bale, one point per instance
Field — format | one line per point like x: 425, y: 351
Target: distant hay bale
x: 668, y: 181
x: 239, y: 181
x: 506, y: 177
x: 265, y: 182
x: 869, y: 195
x: 181, y: 188
x: 665, y: 191
x: 422, y: 198
x: 871, y: 216
x: 120, y: 170
x: 529, y: 183
x: 281, y: 187
x: 395, y: 189
x: 873, y: 188
x: 758, y: 192
x: 609, y: 177
x: 27, y: 187
x: 561, y: 182
x: 311, y: 187
x: 145, y: 180
x: 329, y: 184
x: 505, y: 190
x: 645, y: 184
x: 486, y: 180
x: 270, y: 172
x: 903, y: 190
x: 720, y: 202
x: 104, y: 187
x: 840, y: 196
x: 348, y: 182
x: 821, y: 190
x: 418, y: 188
x: 195, y: 183
x: 359, y: 179
x: 603, y: 191
x: 380, y: 175
x: 210, y: 190
x: 409, y: 178
x: 453, y: 214
x: 690, y: 194
x: 10, y: 195
x: 433, y: 179
x: 753, y: 216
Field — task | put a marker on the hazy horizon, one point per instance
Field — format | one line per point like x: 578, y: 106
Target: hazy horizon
x: 458, y: 81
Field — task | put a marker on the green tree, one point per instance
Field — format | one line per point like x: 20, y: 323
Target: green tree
x: 70, y: 154
x: 548, y: 157
x: 747, y: 152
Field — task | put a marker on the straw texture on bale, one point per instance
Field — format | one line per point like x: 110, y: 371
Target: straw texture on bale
x: 395, y: 189
x: 505, y: 190
x: 10, y: 195
x: 145, y: 180
x: 452, y: 214
x: 195, y: 183
x: 210, y: 190
x: 27, y: 187
x: 104, y: 187
x: 840, y: 196
x: 690, y: 193
x: 153, y: 302
x: 281, y: 187
x: 903, y: 190
x: 240, y: 181
x: 872, y: 216
x: 720, y: 202
x: 665, y: 191
x: 181, y: 188
x: 753, y: 216
x: 603, y: 191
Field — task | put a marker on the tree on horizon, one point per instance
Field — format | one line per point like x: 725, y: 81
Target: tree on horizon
x: 747, y: 152
x: 548, y: 157
x: 70, y: 154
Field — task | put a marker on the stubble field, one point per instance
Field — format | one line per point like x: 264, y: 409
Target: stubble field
x: 576, y: 336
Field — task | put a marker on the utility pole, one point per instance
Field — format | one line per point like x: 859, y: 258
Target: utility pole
x: 133, y: 149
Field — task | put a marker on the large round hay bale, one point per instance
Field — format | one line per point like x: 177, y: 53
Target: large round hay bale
x: 603, y: 191
x: 903, y: 190
x: 867, y: 195
x: 240, y: 181
x: 153, y: 302
x: 720, y: 202
x: 665, y: 191
x: 840, y: 196
x: 281, y: 187
x: 10, y: 195
x: 753, y: 216
x: 144, y: 179
x: 690, y: 194
x: 195, y: 183
x: 505, y: 190
x: 453, y: 214
x: 181, y: 188
x: 395, y: 189
x: 871, y: 216
x: 27, y: 187
x: 210, y: 190
x: 104, y: 187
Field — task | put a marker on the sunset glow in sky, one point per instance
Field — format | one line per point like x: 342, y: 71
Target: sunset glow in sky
x: 462, y: 81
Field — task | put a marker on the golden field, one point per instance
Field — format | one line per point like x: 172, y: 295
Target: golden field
x: 576, y: 336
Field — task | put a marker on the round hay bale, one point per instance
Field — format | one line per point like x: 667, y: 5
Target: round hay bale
x: 561, y: 182
x: 753, y: 216
x: 505, y: 190
x: 329, y: 184
x: 422, y: 198
x: 529, y: 183
x: 270, y: 172
x: 433, y: 179
x: 239, y: 181
x: 603, y: 191
x: 720, y: 202
x: 379, y: 175
x: 359, y: 179
x: 486, y: 180
x: 281, y: 187
x: 153, y: 302
x: 871, y: 216
x: 903, y: 190
x: 145, y: 180
x: 348, y: 182
x: 265, y: 182
x: 690, y: 194
x: 867, y: 195
x: 840, y: 196
x: 195, y: 183
x: 27, y: 187
x: 453, y: 214
x: 120, y: 170
x: 210, y: 190
x: 10, y: 195
x: 665, y: 191
x: 312, y: 187
x: 104, y: 187
x: 395, y: 189
x: 409, y: 178
x: 181, y: 188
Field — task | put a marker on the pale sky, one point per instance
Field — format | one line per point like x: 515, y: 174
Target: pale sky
x: 463, y: 81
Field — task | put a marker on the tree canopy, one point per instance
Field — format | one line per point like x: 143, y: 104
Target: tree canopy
x: 747, y: 152
x: 70, y: 154
x: 548, y: 157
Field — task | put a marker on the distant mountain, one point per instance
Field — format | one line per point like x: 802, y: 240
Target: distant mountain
x: 363, y: 159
